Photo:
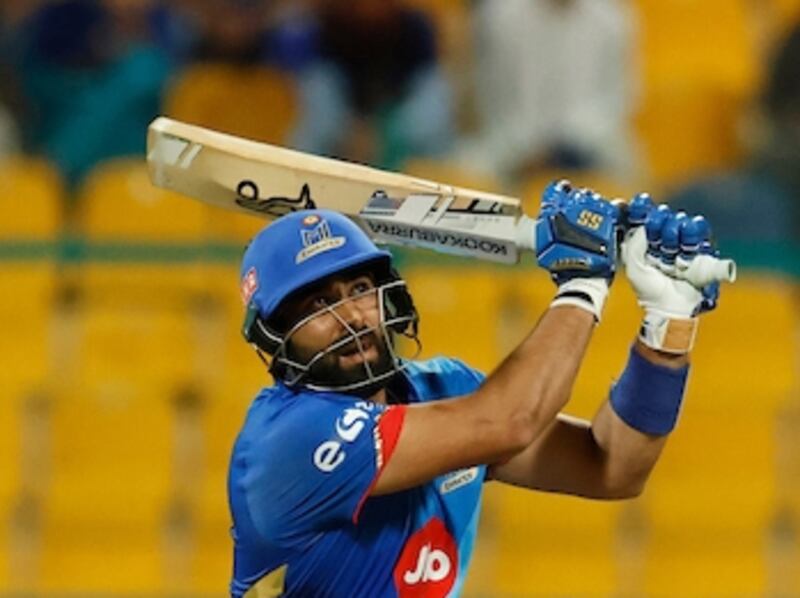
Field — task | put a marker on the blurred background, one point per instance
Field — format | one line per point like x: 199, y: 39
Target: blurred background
x: 123, y: 375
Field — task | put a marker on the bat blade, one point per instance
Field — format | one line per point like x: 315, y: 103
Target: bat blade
x: 270, y: 181
x: 393, y: 208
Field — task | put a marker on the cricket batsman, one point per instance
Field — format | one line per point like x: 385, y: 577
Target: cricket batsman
x: 360, y: 472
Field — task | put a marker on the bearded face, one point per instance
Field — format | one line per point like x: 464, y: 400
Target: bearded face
x: 357, y: 359
x: 340, y: 333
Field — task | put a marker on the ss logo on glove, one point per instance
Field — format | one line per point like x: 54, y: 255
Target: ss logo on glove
x: 590, y: 220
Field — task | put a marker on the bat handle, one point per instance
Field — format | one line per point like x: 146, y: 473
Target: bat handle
x: 525, y: 236
x: 700, y: 271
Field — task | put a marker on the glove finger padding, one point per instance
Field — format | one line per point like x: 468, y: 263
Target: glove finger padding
x: 695, y: 241
x: 650, y: 253
x: 555, y: 194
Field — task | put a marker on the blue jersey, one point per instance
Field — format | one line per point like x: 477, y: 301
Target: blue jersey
x: 304, y: 524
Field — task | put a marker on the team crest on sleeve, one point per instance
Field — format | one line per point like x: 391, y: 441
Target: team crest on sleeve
x: 317, y: 239
x: 249, y: 285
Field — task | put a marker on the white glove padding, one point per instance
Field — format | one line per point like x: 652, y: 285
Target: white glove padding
x: 589, y: 294
x: 671, y: 305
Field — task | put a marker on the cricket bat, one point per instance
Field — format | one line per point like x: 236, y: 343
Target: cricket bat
x: 270, y: 181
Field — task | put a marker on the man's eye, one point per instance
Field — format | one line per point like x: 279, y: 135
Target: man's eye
x: 361, y: 287
x: 320, y: 302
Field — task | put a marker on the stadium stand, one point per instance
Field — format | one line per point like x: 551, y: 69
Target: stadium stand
x: 265, y: 100
x: 694, y: 89
x: 137, y: 324
x: 30, y: 221
x: 125, y: 377
x: 446, y: 172
x: 112, y: 456
x: 31, y: 208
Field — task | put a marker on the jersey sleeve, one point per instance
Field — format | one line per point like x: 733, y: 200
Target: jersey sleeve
x: 472, y: 376
x: 318, y: 465
x: 442, y: 378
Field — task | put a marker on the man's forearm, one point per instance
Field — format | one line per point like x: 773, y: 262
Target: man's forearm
x: 534, y: 383
x: 630, y: 453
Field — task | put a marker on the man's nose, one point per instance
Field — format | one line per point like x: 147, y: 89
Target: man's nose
x: 350, y: 313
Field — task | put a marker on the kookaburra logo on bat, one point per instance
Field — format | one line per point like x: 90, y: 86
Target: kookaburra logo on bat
x: 247, y: 196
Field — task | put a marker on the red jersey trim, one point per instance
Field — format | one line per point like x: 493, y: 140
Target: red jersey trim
x: 386, y: 434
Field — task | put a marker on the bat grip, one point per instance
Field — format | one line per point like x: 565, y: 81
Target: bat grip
x: 526, y: 234
x: 700, y: 271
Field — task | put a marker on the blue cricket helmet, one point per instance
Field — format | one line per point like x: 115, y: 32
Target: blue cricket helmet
x: 298, y: 250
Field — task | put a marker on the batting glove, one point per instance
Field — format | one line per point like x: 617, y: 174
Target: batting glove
x: 658, y: 246
x: 576, y: 242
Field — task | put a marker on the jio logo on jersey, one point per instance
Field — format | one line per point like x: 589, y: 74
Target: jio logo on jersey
x: 428, y: 564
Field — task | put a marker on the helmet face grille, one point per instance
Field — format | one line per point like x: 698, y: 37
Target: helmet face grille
x: 397, y: 317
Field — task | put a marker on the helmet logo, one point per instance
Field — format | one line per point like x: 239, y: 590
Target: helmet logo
x: 317, y: 240
x: 310, y: 220
x: 249, y: 285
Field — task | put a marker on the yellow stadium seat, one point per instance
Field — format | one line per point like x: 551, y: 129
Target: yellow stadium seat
x: 538, y: 538
x: 212, y: 559
x: 103, y: 562
x: 119, y: 204
x: 695, y: 88
x: 112, y: 446
x: 235, y: 355
x: 222, y: 419
x: 237, y: 378
x: 123, y: 345
x: 676, y: 44
x: 225, y: 413
x: 146, y: 245
x: 234, y: 228
x: 31, y: 192
x: 586, y: 571
x: 253, y: 102
x: 9, y: 479
x: 27, y: 298
x: 478, y: 313
x: 30, y: 223
x: 695, y: 569
x: 689, y: 129
x: 105, y: 509
x: 754, y: 323
x: 716, y: 474
x: 448, y: 320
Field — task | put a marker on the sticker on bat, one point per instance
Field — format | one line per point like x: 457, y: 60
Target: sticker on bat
x: 478, y: 206
x: 247, y: 196
x: 444, y: 240
x: 381, y: 203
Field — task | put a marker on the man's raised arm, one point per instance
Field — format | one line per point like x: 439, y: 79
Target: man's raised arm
x: 613, y: 456
x: 576, y: 243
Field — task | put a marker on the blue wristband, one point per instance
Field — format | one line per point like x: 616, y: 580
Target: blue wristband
x: 647, y: 396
